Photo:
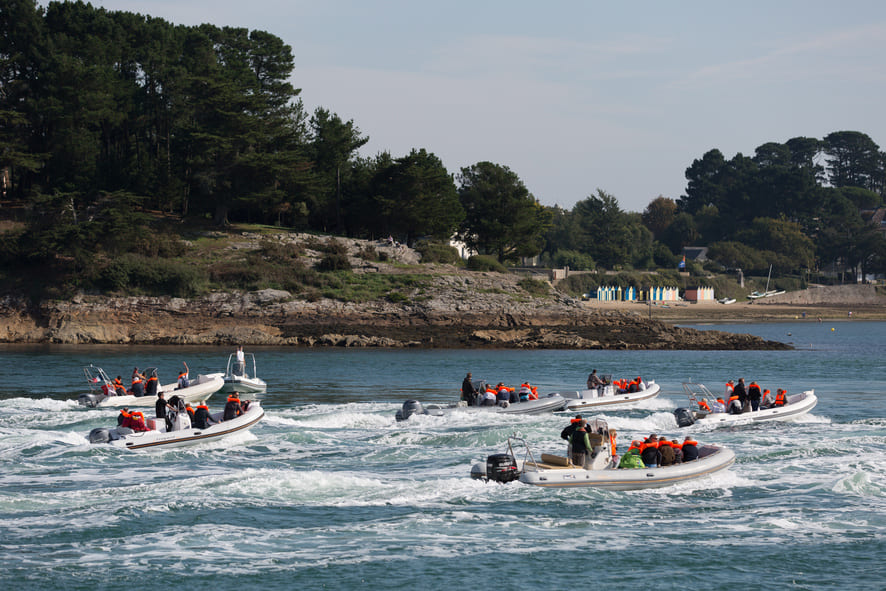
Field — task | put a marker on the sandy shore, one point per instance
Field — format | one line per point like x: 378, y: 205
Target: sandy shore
x: 683, y: 313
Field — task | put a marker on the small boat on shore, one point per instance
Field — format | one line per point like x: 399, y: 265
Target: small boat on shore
x: 553, y: 471
x: 702, y: 401
x: 609, y: 395
x: 183, y: 432
x: 238, y: 378
x: 102, y: 394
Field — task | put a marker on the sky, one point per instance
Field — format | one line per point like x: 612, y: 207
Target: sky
x: 575, y: 96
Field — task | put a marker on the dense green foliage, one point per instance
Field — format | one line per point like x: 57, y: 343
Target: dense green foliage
x: 115, y: 127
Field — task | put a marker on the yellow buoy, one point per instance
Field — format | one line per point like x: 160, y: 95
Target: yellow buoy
x: 833, y: 329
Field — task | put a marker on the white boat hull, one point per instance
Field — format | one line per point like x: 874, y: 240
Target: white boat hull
x: 156, y: 439
x: 712, y: 459
x: 798, y: 405
x: 200, y: 390
x: 244, y: 384
x: 551, y: 403
x: 583, y: 399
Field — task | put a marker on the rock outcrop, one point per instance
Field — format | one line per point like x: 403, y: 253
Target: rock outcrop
x: 459, y: 310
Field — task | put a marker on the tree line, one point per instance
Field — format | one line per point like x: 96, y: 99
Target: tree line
x: 108, y: 115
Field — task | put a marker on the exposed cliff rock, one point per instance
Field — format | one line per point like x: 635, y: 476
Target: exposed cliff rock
x: 461, y: 309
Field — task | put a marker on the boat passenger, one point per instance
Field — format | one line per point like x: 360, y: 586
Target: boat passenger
x: 755, y: 394
x: 567, y: 432
x: 635, y: 385
x: 580, y: 444
x: 730, y: 387
x: 703, y: 404
x: 160, y: 408
x: 594, y: 380
x: 649, y: 452
x: 690, y: 449
x: 202, y: 418
x: 502, y: 394
x: 719, y: 406
x: 138, y: 383
x: 232, y: 407
x: 152, y: 385
x: 488, y: 397
x: 119, y: 388
x: 513, y: 396
x: 668, y: 457
x: 534, y: 394
x: 768, y: 399
x: 631, y: 459
x: 734, y: 405
x: 678, y: 451
x: 240, y: 366
x: 468, y: 391
x: 183, y: 379
x: 137, y: 422
x: 741, y: 393
x: 781, y: 398
x: 525, y: 391
x: 121, y: 418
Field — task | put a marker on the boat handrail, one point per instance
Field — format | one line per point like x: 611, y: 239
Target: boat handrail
x: 528, y: 452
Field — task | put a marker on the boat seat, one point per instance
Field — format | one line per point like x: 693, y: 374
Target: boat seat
x: 552, y: 462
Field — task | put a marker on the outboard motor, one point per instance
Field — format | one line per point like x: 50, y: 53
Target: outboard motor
x: 90, y: 400
x: 684, y: 417
x: 106, y: 435
x: 410, y: 407
x: 501, y: 468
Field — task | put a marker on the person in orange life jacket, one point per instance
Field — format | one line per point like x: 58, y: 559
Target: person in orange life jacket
x: 567, y: 432
x: 730, y: 387
x: 152, y: 384
x: 160, y: 408
x: 634, y: 386
x: 580, y: 444
x: 690, y: 449
x: 202, y: 419
x: 119, y: 388
x: 678, y: 451
x: 502, y: 394
x: 534, y: 394
x: 768, y: 399
x: 468, y: 392
x: 733, y: 407
x: 232, y: 407
x: 184, y: 380
x: 525, y: 391
x: 754, y: 396
x: 487, y: 397
x: 138, y: 383
x: 649, y: 452
x: 137, y: 422
x: 781, y: 398
x: 703, y: 404
x: 719, y: 406
x: 123, y: 416
x: 668, y: 457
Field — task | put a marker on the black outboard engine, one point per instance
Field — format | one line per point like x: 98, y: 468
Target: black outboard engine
x: 684, y: 417
x: 410, y: 407
x: 90, y: 400
x: 501, y: 468
x: 105, y: 435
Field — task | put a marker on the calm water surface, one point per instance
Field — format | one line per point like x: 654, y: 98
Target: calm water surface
x: 329, y: 491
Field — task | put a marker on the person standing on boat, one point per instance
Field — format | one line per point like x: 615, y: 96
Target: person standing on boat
x: 468, y: 391
x: 594, y: 380
x: 754, y: 396
x: 160, y: 408
x: 580, y: 444
x: 240, y: 367
x: 741, y: 392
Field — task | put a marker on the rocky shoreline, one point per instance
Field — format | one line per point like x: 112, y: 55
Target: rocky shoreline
x: 459, y: 317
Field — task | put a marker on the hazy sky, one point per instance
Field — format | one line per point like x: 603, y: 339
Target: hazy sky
x: 576, y: 96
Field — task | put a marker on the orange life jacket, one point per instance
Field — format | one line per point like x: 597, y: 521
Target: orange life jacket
x: 612, y: 446
x: 125, y: 414
x: 689, y: 442
x: 704, y: 404
x: 202, y: 406
x: 534, y: 395
x: 781, y: 398
x: 733, y: 397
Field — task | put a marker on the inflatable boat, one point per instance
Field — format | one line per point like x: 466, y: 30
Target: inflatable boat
x: 702, y: 403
